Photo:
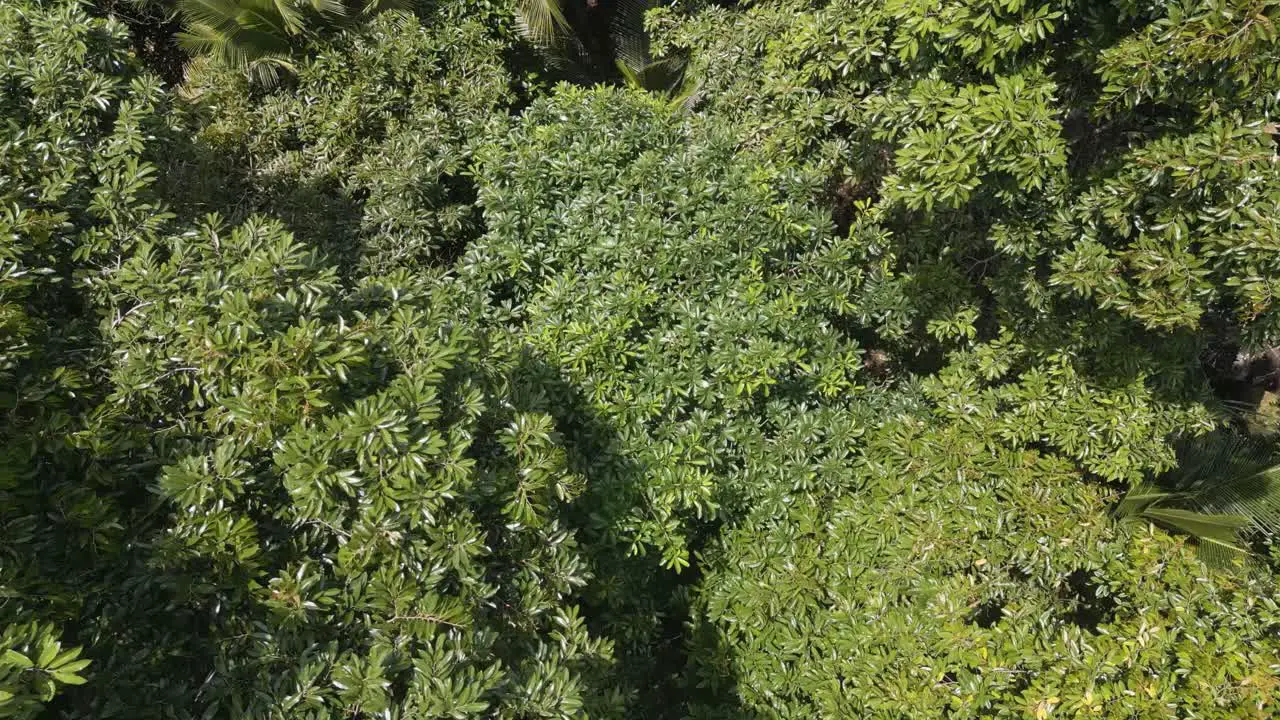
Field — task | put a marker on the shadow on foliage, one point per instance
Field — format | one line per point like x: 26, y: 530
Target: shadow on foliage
x: 331, y: 215
x: 200, y: 179
x: 663, y: 654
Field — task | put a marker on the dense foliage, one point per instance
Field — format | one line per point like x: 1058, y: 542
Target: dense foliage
x: 76, y: 190
x: 799, y: 358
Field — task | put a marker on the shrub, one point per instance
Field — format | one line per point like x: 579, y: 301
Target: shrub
x: 812, y: 397
x: 78, y: 129
x: 1019, y: 150
x: 245, y: 488
x: 367, y: 157
x: 1059, y: 259
x: 349, y: 517
x: 689, y: 293
x: 971, y: 579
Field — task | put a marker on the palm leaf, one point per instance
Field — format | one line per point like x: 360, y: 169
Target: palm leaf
x: 333, y: 8
x: 266, y: 71
x: 1205, y: 526
x: 250, y: 35
x: 370, y: 8
x: 590, y: 41
x: 1219, y: 554
x: 627, y: 31
x: 543, y: 22
x: 281, y: 12
x: 1139, y: 498
x: 264, y: 30
x: 665, y: 77
x: 1225, y: 486
x: 216, y: 15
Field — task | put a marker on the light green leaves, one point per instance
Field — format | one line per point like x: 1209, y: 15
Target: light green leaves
x: 957, y: 138
x: 677, y: 280
x: 33, y: 666
x: 361, y: 483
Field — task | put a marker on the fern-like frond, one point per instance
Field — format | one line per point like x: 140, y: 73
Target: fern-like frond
x: 1215, y: 458
x: 1205, y: 526
x: 543, y: 22
x: 1255, y: 496
x: 1139, y: 498
x: 263, y: 30
x: 214, y: 15
x: 1225, y: 555
x: 282, y: 12
x: 627, y: 32
x: 1225, y: 485
x: 267, y: 71
x: 369, y: 8
x: 330, y: 8
x: 250, y: 35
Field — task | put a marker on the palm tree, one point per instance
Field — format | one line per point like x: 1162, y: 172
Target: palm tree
x: 253, y: 35
x: 1225, y: 487
x: 257, y: 36
x: 595, y: 39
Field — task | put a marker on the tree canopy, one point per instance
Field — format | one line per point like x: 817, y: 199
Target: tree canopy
x: 514, y: 359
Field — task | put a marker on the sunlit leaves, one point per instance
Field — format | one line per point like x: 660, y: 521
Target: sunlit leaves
x: 678, y: 282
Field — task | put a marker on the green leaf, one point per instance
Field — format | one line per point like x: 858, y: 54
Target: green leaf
x: 68, y: 678
x: 1223, y: 528
x: 14, y: 657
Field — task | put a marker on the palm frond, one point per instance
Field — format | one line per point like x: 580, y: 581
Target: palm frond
x: 1225, y: 486
x: 689, y: 98
x: 218, y: 15
x: 369, y: 8
x: 1255, y: 496
x: 1139, y: 498
x: 282, y: 12
x: 543, y: 22
x: 627, y: 31
x: 267, y: 71
x: 1225, y: 555
x: 332, y: 8
x: 261, y: 28
x: 250, y: 35
x: 666, y: 77
x: 1204, y: 526
x: 1211, y: 458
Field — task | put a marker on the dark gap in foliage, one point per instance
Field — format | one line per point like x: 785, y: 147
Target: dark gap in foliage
x: 1018, y: 574
x: 987, y: 614
x: 1263, y: 548
x: 1098, y: 146
x: 988, y: 325
x: 1240, y: 378
x: 925, y: 361
x: 614, y: 482
x: 843, y: 194
x: 879, y: 358
x: 1087, y: 606
x: 518, y: 59
x: 153, y: 31
x: 505, y: 295
x: 321, y: 214
x: 461, y: 189
x: 710, y: 682
x: 1116, y: 487
x: 1040, y: 446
